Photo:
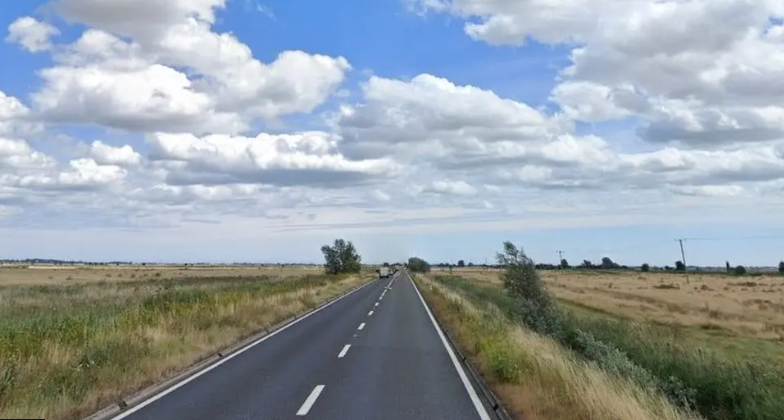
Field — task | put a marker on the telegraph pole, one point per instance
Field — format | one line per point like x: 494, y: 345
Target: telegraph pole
x: 683, y: 259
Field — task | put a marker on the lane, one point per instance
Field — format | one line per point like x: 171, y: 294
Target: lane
x: 399, y: 369
x: 274, y: 378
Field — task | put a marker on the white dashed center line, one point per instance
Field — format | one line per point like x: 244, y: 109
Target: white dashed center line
x: 344, y: 351
x: 361, y: 326
x: 310, y: 400
x: 370, y: 313
x: 376, y: 303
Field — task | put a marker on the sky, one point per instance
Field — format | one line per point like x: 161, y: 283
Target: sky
x: 257, y: 131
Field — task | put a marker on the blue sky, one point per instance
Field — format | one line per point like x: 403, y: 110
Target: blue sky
x: 391, y: 161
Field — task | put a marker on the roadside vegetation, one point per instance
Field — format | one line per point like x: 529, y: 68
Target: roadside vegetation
x: 534, y: 376
x: 657, y: 358
x: 70, y: 349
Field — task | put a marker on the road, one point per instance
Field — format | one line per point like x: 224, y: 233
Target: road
x: 375, y: 354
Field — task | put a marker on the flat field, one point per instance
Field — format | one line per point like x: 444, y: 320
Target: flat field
x: 72, y: 340
x: 721, y: 336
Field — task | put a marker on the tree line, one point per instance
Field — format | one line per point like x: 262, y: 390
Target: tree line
x: 342, y: 257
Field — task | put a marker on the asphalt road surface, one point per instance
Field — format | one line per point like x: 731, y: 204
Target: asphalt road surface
x: 375, y: 354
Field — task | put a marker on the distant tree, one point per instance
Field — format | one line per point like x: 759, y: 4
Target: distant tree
x: 679, y: 266
x: 461, y: 263
x: 418, y: 265
x: 564, y: 263
x: 739, y: 270
x: 608, y: 264
x: 386, y: 264
x: 586, y: 264
x: 341, y: 258
x: 781, y: 267
x: 470, y: 264
x: 667, y: 268
x: 727, y: 265
x: 645, y: 268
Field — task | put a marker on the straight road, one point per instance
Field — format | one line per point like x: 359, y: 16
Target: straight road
x: 375, y: 354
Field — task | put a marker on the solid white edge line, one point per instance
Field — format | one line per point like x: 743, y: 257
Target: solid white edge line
x: 480, y: 408
x: 361, y: 326
x: 225, y: 359
x: 310, y: 400
x: 344, y: 351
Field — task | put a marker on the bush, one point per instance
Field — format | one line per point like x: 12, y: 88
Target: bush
x: 341, y: 258
x: 781, y: 267
x: 739, y: 270
x: 645, y: 268
x: 418, y: 265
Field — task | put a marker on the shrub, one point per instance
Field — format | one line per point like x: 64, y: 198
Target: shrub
x: 645, y: 268
x: 781, y: 267
x: 739, y: 270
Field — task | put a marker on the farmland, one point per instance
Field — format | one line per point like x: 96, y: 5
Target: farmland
x: 719, y: 335
x: 74, y: 339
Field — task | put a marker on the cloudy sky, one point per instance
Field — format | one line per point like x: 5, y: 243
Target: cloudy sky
x: 241, y: 130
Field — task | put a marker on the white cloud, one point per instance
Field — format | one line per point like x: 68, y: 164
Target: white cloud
x: 160, y: 66
x: 33, y: 35
x: 668, y: 62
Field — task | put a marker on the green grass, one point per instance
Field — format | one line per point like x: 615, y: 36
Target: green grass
x: 67, y: 350
x: 728, y: 382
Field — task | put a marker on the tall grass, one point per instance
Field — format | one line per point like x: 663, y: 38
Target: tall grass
x: 65, y: 351
x: 717, y: 387
x: 536, y: 378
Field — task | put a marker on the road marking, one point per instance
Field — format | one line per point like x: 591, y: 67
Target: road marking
x: 370, y: 313
x: 361, y: 326
x: 344, y: 351
x: 480, y: 408
x: 376, y: 303
x: 310, y: 400
x: 225, y: 359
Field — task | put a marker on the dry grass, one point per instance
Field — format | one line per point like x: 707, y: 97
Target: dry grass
x: 744, y: 307
x: 535, y: 378
x: 68, y: 350
x: 17, y: 275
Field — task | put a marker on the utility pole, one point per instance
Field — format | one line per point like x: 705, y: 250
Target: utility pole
x: 683, y: 259
x: 560, y: 258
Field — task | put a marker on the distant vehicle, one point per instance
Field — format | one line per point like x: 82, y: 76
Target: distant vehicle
x: 384, y: 272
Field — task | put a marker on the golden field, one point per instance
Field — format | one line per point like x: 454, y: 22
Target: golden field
x: 746, y: 306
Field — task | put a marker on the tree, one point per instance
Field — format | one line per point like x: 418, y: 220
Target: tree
x: 564, y: 263
x: 533, y: 304
x: 341, y: 258
x: 587, y: 264
x: 781, y: 267
x: 418, y: 265
x: 645, y: 268
x: 729, y: 269
x: 739, y: 270
x: 679, y: 266
x: 461, y: 263
x: 608, y: 264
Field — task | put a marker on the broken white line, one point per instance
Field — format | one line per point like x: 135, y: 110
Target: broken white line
x: 376, y: 303
x: 370, y: 313
x: 362, y: 325
x: 310, y: 400
x: 344, y: 351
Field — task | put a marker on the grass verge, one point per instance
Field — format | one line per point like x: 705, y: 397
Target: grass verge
x: 717, y: 386
x: 534, y: 377
x: 67, y: 351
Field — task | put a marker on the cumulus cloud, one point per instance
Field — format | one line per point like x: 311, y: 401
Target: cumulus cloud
x: 32, y: 34
x: 160, y: 66
x: 309, y: 158
x: 689, y: 79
